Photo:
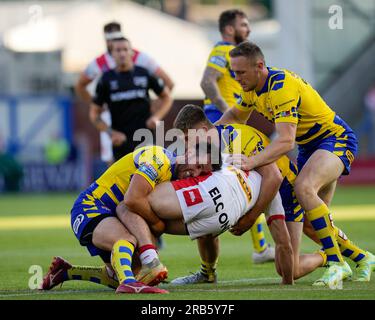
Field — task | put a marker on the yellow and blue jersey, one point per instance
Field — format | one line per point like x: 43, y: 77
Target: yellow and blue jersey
x: 153, y: 163
x: 246, y: 140
x: 286, y: 97
x: 219, y: 60
x: 101, y: 198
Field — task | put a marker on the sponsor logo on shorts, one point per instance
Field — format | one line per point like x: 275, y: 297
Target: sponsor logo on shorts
x: 77, y: 222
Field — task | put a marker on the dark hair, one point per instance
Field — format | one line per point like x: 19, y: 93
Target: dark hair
x: 247, y: 49
x: 189, y: 116
x: 214, y: 152
x: 228, y: 17
x: 112, y: 26
x: 118, y: 40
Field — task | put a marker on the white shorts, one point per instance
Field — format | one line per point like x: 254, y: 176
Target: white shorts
x: 106, y: 153
x: 275, y: 210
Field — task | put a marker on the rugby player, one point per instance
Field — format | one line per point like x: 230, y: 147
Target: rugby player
x: 222, y: 90
x: 105, y: 62
x: 327, y: 147
x: 239, y: 138
x: 125, y: 90
x: 96, y: 226
x: 209, y: 205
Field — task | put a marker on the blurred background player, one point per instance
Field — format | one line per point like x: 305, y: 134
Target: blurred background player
x: 222, y: 91
x: 105, y: 62
x: 125, y: 90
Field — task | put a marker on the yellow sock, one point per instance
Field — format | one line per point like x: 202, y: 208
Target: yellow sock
x: 209, y: 268
x: 324, y: 256
x: 258, y: 237
x: 121, y: 261
x: 319, y: 218
x: 93, y: 274
x: 348, y: 249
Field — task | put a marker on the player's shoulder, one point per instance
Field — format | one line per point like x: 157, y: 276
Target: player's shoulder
x: 154, y: 153
x: 221, y: 51
x: 108, y: 75
x: 223, y: 47
x: 141, y: 71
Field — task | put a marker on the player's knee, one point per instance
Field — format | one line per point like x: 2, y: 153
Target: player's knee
x: 303, y: 189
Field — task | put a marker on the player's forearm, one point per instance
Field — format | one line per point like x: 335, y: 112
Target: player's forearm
x: 276, y: 149
x: 268, y: 190
x: 212, y: 92
x: 82, y: 93
x: 164, y: 105
x: 230, y: 117
x: 142, y: 208
x: 96, y: 120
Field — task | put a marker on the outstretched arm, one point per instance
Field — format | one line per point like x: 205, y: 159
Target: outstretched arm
x: 271, y: 181
x: 281, y: 145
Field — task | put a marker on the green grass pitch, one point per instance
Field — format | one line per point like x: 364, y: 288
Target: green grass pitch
x: 238, y: 278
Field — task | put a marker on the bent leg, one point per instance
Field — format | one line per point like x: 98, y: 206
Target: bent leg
x: 322, y: 169
x: 347, y: 247
x: 111, y: 235
x: 306, y: 263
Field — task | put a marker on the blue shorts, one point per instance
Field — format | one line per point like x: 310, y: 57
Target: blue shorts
x: 344, y: 146
x: 293, y: 210
x: 86, y: 214
x: 212, y: 112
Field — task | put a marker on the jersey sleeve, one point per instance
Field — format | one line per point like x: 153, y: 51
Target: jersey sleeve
x: 101, y: 96
x: 156, y: 84
x: 154, y: 166
x: 147, y: 62
x: 284, y: 103
x: 218, y: 60
x: 92, y: 70
x: 244, y: 103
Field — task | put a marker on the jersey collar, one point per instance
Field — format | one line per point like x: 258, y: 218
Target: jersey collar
x: 224, y: 43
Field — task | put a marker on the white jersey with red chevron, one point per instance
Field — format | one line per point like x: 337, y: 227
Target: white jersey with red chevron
x: 106, y: 62
x: 211, y: 204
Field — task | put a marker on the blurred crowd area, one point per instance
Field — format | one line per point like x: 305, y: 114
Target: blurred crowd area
x: 47, y: 142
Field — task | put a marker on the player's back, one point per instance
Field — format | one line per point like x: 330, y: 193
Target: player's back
x: 242, y: 187
x: 246, y: 140
x: 219, y: 60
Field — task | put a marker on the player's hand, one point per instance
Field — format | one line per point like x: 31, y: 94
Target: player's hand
x: 158, y: 228
x: 118, y: 138
x: 152, y: 122
x: 240, y: 161
x: 242, y: 225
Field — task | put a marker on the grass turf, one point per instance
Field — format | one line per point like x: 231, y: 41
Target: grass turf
x: 238, y: 277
